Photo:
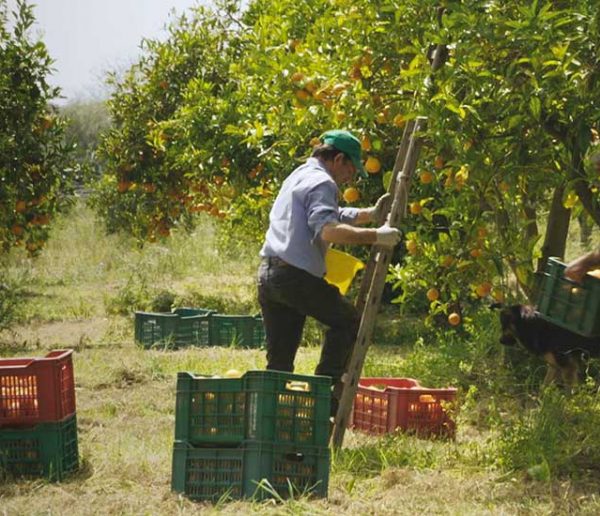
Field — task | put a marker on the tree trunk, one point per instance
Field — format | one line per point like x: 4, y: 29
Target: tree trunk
x: 557, y: 229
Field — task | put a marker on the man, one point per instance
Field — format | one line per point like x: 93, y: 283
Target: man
x: 304, y: 221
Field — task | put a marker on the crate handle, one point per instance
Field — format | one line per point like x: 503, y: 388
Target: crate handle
x: 26, y: 362
x: 294, y: 385
x: 294, y: 457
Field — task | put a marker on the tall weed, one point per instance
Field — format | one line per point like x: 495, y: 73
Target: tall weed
x: 558, y: 437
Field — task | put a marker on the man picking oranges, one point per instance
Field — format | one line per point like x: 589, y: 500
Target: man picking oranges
x: 304, y: 221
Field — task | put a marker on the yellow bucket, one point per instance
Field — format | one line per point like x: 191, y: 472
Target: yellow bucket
x: 341, y: 269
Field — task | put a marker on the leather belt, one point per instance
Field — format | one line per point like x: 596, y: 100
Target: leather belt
x: 274, y: 260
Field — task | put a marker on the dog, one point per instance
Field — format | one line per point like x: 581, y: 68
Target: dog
x: 562, y: 349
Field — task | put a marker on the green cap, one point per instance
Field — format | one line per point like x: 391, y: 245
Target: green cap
x: 349, y: 144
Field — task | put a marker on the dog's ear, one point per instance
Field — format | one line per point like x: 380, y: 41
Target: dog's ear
x: 496, y: 306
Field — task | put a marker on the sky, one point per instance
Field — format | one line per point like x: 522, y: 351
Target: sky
x: 87, y: 38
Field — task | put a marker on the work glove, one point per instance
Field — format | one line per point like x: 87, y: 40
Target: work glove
x: 387, y: 236
x: 382, y: 207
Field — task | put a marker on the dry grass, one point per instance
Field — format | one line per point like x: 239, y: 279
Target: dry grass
x: 126, y: 396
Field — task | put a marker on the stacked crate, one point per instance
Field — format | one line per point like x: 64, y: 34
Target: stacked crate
x: 385, y: 405
x: 38, y: 426
x: 197, y: 327
x: 262, y: 435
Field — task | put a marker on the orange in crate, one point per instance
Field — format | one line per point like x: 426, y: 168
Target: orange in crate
x: 384, y: 405
x: 37, y: 390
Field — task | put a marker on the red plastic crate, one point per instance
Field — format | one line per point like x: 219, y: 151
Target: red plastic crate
x: 37, y: 390
x: 384, y: 405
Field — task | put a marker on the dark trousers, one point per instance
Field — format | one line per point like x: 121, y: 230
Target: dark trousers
x: 287, y: 295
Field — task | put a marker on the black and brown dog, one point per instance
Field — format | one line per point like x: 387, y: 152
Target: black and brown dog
x: 562, y: 349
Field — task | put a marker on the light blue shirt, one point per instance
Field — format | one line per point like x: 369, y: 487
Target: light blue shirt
x: 308, y: 200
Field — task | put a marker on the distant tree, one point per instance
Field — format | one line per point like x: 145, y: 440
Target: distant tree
x: 87, y: 121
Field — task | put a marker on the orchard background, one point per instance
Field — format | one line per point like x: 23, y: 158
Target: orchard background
x: 159, y: 197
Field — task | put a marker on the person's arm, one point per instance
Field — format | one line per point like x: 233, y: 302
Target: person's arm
x: 578, y: 268
x: 371, y: 214
x: 345, y: 234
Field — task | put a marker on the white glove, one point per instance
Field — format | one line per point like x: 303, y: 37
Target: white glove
x: 381, y: 206
x: 387, y: 236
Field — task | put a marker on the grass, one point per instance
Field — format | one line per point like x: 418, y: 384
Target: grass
x: 84, y: 280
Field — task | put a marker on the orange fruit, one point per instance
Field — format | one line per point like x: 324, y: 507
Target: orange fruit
x: 438, y: 162
x: 481, y: 232
x: 297, y: 76
x: 415, y: 208
x: 123, y: 186
x: 302, y: 95
x: 454, y: 319
x: 399, y: 121
x: 426, y: 177
x: 483, y: 289
x: 17, y: 230
x: 351, y: 194
x: 433, y: 294
x: 498, y: 295
x: 476, y: 253
x: 310, y: 86
x: 365, y: 143
x: 412, y: 246
x: 447, y: 261
x: 372, y: 165
x: 21, y: 207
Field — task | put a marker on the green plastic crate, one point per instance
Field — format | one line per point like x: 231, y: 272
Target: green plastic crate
x: 193, y: 330
x: 571, y: 305
x: 243, y: 472
x: 45, y: 450
x: 183, y: 327
x: 235, y: 330
x: 185, y: 311
x: 156, y: 329
x: 259, y: 331
x: 285, y: 408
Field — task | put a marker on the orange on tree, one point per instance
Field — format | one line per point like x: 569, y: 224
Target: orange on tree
x: 372, y: 165
x: 302, y: 95
x: 365, y: 143
x: 416, y: 207
x: 399, y: 121
x: 438, y: 162
x: 297, y: 77
x: 426, y: 177
x: 476, y: 252
x: 454, y: 319
x: 351, y: 194
x: 412, y: 246
x: 124, y: 186
x: 433, y: 294
x: 446, y: 260
x: 21, y: 206
x: 483, y: 289
x: 498, y: 295
x: 17, y: 230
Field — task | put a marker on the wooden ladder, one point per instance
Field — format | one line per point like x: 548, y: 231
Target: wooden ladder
x: 373, y: 281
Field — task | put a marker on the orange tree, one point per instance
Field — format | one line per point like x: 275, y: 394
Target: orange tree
x: 510, y: 119
x: 33, y: 156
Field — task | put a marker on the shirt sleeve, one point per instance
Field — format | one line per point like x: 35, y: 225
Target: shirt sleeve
x: 322, y: 207
x: 348, y: 215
